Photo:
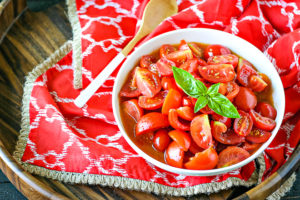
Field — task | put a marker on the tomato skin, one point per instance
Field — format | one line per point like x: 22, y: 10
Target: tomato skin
x: 217, y: 73
x: 251, y: 148
x: 147, y: 82
x: 169, y: 83
x: 207, y: 159
x: 152, y: 103
x: 161, y: 140
x: 257, y: 84
x: 245, y: 99
x: 220, y: 118
x: 214, y: 50
x: 180, y: 56
x: 174, y: 155
x: 164, y: 66
x: 186, y: 101
x: 151, y: 122
x: 175, y: 123
x: 186, y: 113
x: 190, y: 66
x: 206, y: 110
x: 228, y: 138
x: 172, y: 100
x: 242, y: 126
x: 258, y: 136
x: 147, y: 60
x: 232, y: 90
x: 194, y: 148
x: 132, y: 108
x: 266, y: 110
x: 197, y: 51
x: 232, y: 155
x: 263, y: 123
x: 165, y: 50
x: 244, y: 72
x: 130, y: 88
x: 201, y: 131
x: 223, y: 59
x: 182, y: 138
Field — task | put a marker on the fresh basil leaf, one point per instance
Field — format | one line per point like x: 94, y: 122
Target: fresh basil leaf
x: 222, y: 106
x: 200, y: 103
x: 201, y: 86
x: 214, y: 89
x: 187, y: 82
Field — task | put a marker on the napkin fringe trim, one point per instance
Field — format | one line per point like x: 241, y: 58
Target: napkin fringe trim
x: 286, y: 186
x: 77, y: 51
x: 116, y: 181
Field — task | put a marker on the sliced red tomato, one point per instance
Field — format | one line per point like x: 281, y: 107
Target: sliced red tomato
x: 174, y: 155
x: 183, y: 45
x: 165, y: 50
x: 132, y: 108
x: 197, y: 51
x: 186, y: 101
x: 251, y: 148
x: 194, y: 148
x: 152, y: 103
x: 217, y: 73
x: 182, y: 138
x: 257, y: 84
x: 220, y: 118
x: 206, y: 110
x: 214, y: 50
x: 190, y: 66
x: 232, y: 90
x: 258, y: 136
x: 151, y: 122
x: 245, y: 99
x: 153, y: 68
x: 232, y: 155
x: 244, y: 71
x: 147, y: 60
x: 129, y: 91
x: 180, y: 56
x: 207, y: 159
x: 264, y: 123
x: 164, y: 66
x: 201, y: 131
x: 266, y: 110
x: 161, y: 140
x: 172, y: 100
x: 147, y: 82
x: 223, y: 88
x: 186, y: 113
x: 243, y: 125
x: 169, y: 83
x: 176, y: 123
x: 229, y: 137
x: 223, y: 59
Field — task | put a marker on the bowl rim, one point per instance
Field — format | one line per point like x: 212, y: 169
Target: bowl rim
x: 116, y: 106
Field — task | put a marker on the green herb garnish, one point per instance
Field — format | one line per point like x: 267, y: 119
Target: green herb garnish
x: 211, y: 96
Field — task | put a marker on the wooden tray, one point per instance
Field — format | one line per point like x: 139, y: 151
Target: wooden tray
x: 27, y: 39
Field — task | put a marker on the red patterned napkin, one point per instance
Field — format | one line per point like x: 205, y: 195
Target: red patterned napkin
x: 61, y: 141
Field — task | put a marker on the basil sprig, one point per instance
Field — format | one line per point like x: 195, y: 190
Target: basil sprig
x: 211, y: 96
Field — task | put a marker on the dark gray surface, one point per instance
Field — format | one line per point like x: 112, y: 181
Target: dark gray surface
x: 9, y: 192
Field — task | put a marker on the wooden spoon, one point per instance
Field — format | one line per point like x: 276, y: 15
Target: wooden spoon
x: 155, y: 12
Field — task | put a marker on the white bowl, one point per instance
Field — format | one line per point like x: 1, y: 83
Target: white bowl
x: 207, y: 36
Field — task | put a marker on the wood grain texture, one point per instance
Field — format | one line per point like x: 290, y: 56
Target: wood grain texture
x: 31, y: 39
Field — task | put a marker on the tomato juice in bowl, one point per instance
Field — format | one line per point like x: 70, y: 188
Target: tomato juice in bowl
x: 200, y: 36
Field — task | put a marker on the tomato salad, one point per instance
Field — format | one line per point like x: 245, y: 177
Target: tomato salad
x: 197, y: 106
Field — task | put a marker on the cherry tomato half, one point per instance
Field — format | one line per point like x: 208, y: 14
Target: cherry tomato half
x: 257, y: 84
x: 201, y: 131
x: 147, y: 82
x: 130, y: 89
x: 264, y: 123
x: 220, y: 73
x: 220, y: 118
x: 169, y: 83
x: 232, y: 90
x: 251, y: 148
x: 151, y: 122
x: 194, y: 148
x: 186, y: 101
x: 214, y: 50
x: 244, y: 72
x: 232, y: 155
x: 190, y: 66
x: 258, y: 136
x: 152, y: 103
x: 224, y: 136
x: 174, y: 155
x: 245, y: 99
x: 197, y: 51
x: 132, y: 108
x: 172, y: 100
x: 207, y: 159
x: 176, y: 123
x: 147, y: 60
x: 161, y: 140
x: 164, y: 66
x: 182, y: 138
x: 266, y: 110
x: 165, y: 50
x: 186, y: 113
x: 223, y: 59
x: 242, y: 126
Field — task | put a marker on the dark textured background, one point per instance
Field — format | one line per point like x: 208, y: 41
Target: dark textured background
x: 9, y: 192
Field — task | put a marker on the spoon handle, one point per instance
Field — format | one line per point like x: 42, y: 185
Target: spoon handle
x: 88, y: 92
